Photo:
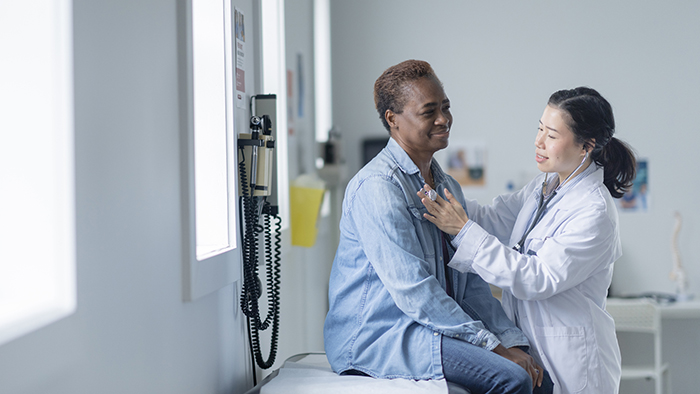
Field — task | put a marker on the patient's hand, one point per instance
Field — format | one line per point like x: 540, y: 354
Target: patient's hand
x: 523, y: 359
x: 448, y: 214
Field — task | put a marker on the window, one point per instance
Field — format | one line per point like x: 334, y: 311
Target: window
x: 322, y: 69
x: 210, y: 178
x: 213, y: 129
x: 37, y: 203
x: 274, y: 81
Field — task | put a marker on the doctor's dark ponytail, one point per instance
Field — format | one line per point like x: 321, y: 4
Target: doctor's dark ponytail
x: 592, y: 122
x: 620, y: 166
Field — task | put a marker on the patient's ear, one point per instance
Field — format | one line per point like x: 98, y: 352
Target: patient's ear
x: 390, y: 117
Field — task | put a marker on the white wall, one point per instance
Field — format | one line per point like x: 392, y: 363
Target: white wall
x: 500, y: 61
x: 132, y: 333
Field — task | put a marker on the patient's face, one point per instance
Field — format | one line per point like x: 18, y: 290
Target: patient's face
x: 423, y: 127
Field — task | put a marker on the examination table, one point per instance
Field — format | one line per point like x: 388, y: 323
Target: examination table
x: 310, y: 373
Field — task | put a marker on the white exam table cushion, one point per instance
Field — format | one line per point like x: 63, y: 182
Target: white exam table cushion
x: 312, y: 374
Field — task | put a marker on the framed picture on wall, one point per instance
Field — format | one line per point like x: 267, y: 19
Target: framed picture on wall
x: 637, y: 199
x: 466, y: 163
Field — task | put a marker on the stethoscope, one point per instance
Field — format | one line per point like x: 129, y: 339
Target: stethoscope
x: 542, y: 204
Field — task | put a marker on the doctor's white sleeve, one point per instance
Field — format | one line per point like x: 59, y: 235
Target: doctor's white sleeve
x: 580, y: 247
x: 498, y: 218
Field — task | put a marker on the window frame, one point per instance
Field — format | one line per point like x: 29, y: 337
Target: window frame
x: 273, y: 69
x: 213, y: 272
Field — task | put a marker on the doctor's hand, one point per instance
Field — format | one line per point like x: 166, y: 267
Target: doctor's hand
x: 448, y: 214
x: 523, y: 359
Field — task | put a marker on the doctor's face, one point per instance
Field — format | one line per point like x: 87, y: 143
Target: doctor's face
x: 556, y: 149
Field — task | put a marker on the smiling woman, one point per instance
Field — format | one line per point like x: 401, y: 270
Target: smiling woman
x: 422, y: 127
x: 417, y: 319
x: 414, y: 108
x: 557, y: 149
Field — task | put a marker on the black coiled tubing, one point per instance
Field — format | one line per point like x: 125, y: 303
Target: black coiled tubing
x: 252, y: 287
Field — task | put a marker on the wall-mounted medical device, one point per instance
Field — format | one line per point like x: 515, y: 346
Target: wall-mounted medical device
x: 257, y: 180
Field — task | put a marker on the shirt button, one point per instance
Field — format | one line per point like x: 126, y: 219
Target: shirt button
x: 456, y: 335
x: 483, y: 344
x: 436, y: 334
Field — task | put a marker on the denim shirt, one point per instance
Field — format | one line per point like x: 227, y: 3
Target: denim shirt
x: 388, y: 307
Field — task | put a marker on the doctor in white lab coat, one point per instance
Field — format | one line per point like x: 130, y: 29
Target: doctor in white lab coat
x: 551, y: 246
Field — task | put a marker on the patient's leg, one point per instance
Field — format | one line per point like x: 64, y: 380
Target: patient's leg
x: 485, y: 372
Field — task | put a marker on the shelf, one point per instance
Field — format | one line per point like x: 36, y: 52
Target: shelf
x: 641, y: 372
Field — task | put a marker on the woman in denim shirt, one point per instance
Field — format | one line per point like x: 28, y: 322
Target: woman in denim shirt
x: 396, y: 310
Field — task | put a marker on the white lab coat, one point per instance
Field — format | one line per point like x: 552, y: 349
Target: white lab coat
x: 556, y: 296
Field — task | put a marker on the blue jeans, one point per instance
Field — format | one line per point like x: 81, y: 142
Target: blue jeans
x: 484, y: 372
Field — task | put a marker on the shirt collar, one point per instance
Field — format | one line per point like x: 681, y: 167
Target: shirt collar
x: 401, y: 158
x: 578, y: 178
x: 407, y: 166
x: 572, y: 182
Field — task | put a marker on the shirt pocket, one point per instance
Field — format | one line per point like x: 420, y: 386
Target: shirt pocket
x: 566, y: 353
x: 533, y: 245
x: 424, y: 230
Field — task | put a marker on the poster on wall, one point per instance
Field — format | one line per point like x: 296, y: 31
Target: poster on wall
x: 240, y: 58
x: 295, y: 94
x: 290, y: 101
x: 466, y: 163
x: 300, y: 86
x: 637, y: 198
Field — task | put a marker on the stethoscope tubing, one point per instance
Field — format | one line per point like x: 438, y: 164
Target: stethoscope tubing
x: 542, y: 205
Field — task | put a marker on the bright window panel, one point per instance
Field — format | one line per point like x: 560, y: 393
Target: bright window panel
x: 274, y: 77
x: 322, y: 69
x: 213, y: 129
x: 37, y: 208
